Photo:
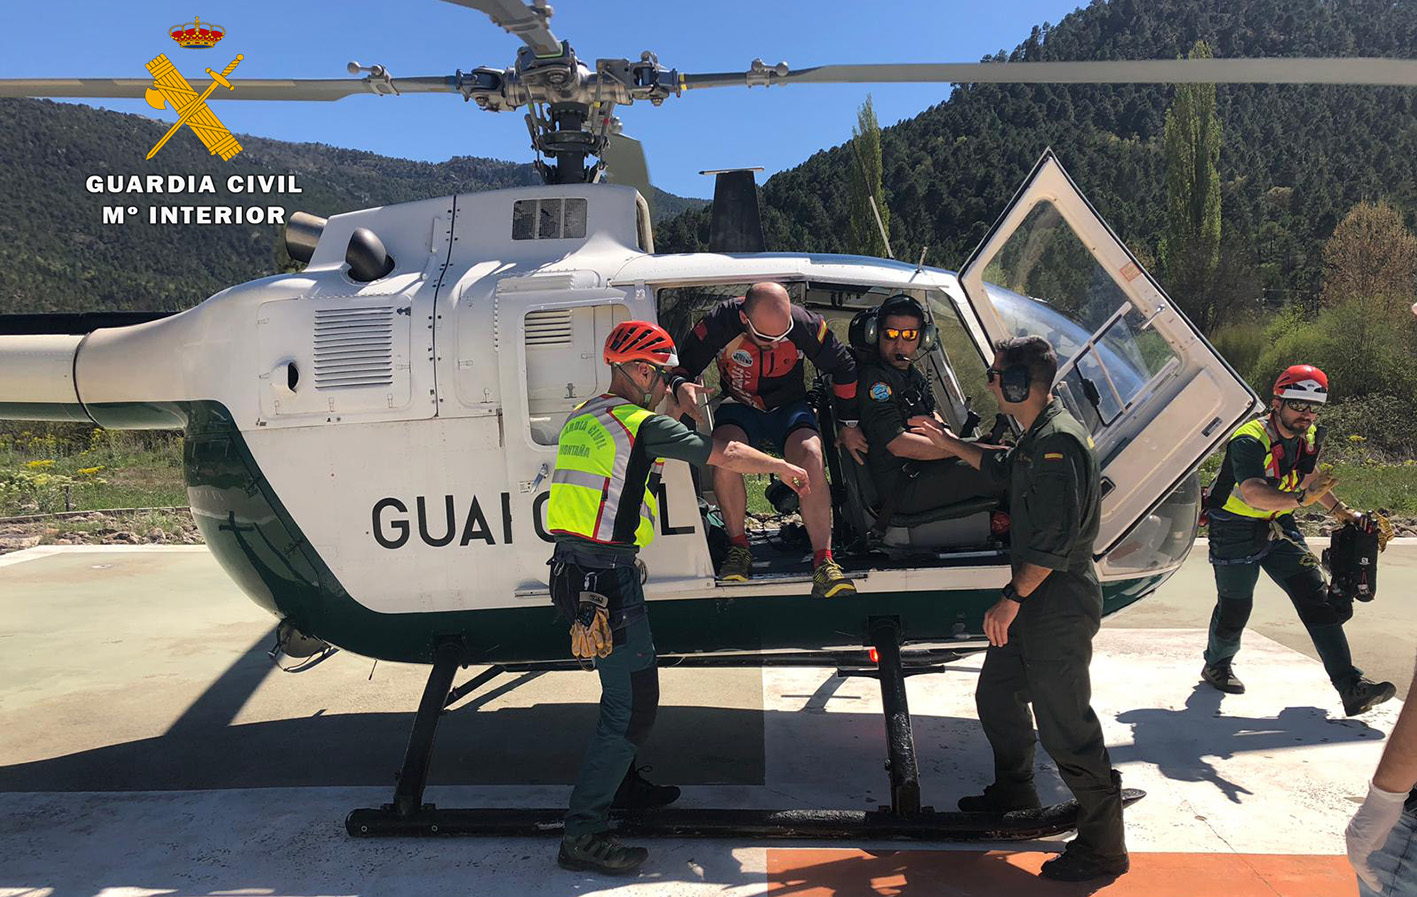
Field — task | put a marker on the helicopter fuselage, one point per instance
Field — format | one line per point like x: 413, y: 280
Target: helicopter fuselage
x: 370, y: 461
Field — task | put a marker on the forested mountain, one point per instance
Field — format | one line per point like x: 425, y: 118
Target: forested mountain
x: 1294, y: 160
x: 57, y: 255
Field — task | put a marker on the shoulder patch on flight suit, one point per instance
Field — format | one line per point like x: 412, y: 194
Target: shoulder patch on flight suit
x: 881, y: 392
x: 1052, y: 456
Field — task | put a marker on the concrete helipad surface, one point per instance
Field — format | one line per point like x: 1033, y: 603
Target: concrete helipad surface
x: 147, y: 747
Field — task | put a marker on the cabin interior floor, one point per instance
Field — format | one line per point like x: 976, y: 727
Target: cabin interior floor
x: 780, y: 559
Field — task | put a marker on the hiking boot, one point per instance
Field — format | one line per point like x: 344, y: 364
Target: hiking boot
x: 1074, y: 865
x: 638, y: 793
x: 738, y: 566
x: 600, y: 852
x: 829, y: 582
x: 1001, y: 800
x: 1222, y: 677
x: 1364, y: 695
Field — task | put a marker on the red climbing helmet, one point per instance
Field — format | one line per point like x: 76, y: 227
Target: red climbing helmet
x: 640, y: 341
x: 1303, y: 382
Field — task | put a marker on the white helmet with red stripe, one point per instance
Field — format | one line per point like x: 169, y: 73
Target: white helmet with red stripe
x: 1303, y: 382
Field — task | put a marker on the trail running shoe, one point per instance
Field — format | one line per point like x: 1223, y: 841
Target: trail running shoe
x: 738, y: 566
x: 600, y: 852
x: 829, y: 582
x: 1364, y: 695
x: 638, y: 793
x: 1222, y: 676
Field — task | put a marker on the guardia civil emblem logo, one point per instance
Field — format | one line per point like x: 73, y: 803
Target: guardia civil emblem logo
x: 170, y: 89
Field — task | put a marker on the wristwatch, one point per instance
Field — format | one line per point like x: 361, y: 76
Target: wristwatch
x: 1012, y: 594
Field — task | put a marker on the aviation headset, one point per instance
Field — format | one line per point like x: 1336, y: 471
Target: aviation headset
x: 865, y: 328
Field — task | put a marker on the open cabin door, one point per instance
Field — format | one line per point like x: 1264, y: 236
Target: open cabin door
x: 1155, y: 394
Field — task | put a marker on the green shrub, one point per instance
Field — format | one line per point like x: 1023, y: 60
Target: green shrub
x: 1362, y: 353
x: 1241, y: 343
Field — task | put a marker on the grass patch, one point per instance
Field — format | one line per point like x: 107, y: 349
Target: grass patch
x: 48, y: 470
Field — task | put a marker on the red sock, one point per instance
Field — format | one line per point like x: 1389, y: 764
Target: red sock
x: 739, y: 541
x: 821, y: 557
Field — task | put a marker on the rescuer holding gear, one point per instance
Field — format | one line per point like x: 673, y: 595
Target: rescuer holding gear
x: 760, y: 343
x: 892, y: 391
x: 602, y: 510
x: 1041, y: 629
x: 1270, y: 470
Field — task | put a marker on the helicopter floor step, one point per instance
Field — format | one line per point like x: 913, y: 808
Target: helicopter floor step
x: 696, y: 822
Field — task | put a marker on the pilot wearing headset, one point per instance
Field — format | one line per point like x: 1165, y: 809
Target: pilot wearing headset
x: 890, y: 392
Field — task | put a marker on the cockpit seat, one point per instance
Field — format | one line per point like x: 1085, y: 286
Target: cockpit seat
x: 961, y: 524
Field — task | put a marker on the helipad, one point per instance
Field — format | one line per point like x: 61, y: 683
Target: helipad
x: 148, y: 747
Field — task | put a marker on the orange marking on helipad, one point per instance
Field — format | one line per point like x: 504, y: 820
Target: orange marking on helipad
x: 999, y: 873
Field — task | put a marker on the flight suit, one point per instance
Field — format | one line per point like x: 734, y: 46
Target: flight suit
x: 1054, y: 490
x: 887, y: 399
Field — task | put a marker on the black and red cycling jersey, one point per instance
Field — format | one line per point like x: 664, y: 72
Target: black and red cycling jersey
x: 767, y: 377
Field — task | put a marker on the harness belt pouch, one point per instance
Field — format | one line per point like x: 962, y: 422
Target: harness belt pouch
x: 1352, y: 561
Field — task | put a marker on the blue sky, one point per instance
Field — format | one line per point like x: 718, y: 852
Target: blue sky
x: 726, y: 127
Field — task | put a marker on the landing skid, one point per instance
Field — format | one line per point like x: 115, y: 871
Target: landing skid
x: 905, y: 818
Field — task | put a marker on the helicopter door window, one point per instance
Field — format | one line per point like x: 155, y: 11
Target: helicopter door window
x: 1155, y: 395
x: 1044, y: 281
x: 563, y: 365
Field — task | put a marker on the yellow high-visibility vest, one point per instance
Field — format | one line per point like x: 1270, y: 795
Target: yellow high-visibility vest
x: 593, y: 476
x: 1287, y: 482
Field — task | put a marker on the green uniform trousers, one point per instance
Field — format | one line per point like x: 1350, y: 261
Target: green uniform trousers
x: 1239, y: 549
x: 1045, y: 662
x: 937, y: 483
x: 629, y: 701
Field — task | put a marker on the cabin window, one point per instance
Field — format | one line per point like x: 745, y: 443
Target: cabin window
x: 549, y: 219
x: 563, y: 364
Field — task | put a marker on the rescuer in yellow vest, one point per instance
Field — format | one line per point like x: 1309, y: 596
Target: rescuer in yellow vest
x: 602, y: 510
x: 1271, y: 470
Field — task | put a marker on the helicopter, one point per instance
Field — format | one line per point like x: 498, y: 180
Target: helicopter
x: 369, y: 441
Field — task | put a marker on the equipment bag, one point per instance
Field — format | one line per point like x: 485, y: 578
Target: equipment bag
x: 1352, y: 560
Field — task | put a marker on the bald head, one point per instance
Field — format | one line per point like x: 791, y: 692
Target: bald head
x: 769, y: 307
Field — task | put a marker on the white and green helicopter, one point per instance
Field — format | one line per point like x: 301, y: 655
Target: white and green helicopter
x: 368, y: 442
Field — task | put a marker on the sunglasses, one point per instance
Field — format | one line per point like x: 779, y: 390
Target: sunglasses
x: 896, y: 333
x: 1302, y: 407
x: 759, y: 335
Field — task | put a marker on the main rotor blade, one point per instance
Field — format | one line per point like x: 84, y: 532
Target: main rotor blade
x: 625, y: 164
x: 527, y: 22
x: 243, y: 88
x: 1287, y: 70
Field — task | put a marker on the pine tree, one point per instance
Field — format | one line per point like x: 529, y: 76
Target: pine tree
x: 1190, y: 247
x: 865, y: 185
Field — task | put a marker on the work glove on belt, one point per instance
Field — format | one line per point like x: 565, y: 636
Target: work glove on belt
x: 590, y: 633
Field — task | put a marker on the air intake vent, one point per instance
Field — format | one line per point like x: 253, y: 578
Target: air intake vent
x: 354, y: 347
x: 549, y: 328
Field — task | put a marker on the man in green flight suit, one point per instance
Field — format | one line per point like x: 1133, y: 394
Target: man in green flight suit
x: 892, y: 391
x: 1041, y: 629
x: 1270, y: 471
x: 602, y: 510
